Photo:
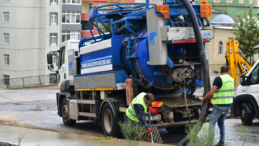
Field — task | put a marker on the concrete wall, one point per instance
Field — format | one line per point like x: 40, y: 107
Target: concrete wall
x: 72, y: 7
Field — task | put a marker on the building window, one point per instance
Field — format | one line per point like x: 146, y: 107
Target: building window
x: 6, y: 59
x: 6, y: 17
x: 71, y: 1
x: 6, y: 79
x: 6, y: 38
x: 52, y: 79
x: 53, y: 1
x: 71, y: 17
x: 229, y: 1
x: 240, y: 1
x: 53, y: 39
x: 85, y: 25
x: 90, y: 6
x: 220, y: 47
x: 53, y: 18
x: 70, y: 35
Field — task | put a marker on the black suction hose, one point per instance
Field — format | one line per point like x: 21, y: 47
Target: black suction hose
x: 205, y: 70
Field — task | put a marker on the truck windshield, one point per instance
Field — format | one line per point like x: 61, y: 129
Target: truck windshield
x: 61, y: 59
x: 254, y: 75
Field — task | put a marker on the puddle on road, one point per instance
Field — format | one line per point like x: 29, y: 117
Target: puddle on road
x: 29, y: 106
x: 33, y: 137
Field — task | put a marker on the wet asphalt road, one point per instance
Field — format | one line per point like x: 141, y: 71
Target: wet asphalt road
x: 37, y: 110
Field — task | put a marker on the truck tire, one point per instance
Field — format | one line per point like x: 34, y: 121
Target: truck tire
x: 109, y: 121
x: 64, y: 111
x: 246, y: 114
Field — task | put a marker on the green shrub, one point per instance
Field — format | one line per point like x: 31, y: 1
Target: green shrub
x: 199, y: 134
x: 132, y: 132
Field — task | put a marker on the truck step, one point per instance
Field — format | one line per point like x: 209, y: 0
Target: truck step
x: 87, y: 114
x: 86, y: 101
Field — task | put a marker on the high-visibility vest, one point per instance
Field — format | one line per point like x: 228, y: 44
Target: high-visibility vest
x: 225, y: 94
x: 131, y: 114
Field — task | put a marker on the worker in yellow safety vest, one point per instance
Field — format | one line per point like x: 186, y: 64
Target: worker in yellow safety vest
x: 222, y: 93
x: 137, y: 109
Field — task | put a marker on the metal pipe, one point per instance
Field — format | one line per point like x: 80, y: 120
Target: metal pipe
x: 121, y: 29
x: 147, y: 3
x: 205, y: 70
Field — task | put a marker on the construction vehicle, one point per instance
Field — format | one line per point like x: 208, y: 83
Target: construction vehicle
x: 145, y: 48
x: 235, y: 59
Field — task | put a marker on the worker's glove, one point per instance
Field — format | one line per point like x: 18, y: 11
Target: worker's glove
x: 149, y: 130
x: 149, y: 108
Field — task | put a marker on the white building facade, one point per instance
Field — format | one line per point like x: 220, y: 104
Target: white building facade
x: 29, y: 29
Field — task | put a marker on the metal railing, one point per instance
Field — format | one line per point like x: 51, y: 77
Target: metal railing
x: 31, y: 81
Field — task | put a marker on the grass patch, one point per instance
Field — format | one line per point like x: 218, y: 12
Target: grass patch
x: 244, y: 139
x: 103, y: 138
x: 132, y: 132
x: 200, y: 135
x: 20, y: 137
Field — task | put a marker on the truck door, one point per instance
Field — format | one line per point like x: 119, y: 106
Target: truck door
x: 62, y: 69
x: 253, y: 89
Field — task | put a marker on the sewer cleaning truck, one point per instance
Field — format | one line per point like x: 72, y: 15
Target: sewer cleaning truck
x: 141, y: 47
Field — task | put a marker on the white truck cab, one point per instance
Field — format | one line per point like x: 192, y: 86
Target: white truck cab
x: 246, y: 98
x: 67, y: 68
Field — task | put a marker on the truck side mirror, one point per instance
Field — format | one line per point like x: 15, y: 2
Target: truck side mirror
x: 49, y: 58
x: 242, y: 79
x: 50, y: 67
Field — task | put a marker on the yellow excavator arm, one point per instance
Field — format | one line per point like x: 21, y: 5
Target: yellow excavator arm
x: 235, y: 59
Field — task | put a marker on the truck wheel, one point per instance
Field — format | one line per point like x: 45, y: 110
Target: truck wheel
x: 64, y: 111
x: 246, y: 114
x: 109, y: 121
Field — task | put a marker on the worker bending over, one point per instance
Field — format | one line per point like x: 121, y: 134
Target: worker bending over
x: 222, y: 92
x: 137, y: 109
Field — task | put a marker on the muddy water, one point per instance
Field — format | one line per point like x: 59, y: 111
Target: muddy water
x: 35, y: 137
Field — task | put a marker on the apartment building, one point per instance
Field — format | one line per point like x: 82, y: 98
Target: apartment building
x: 29, y: 29
x: 71, y: 20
